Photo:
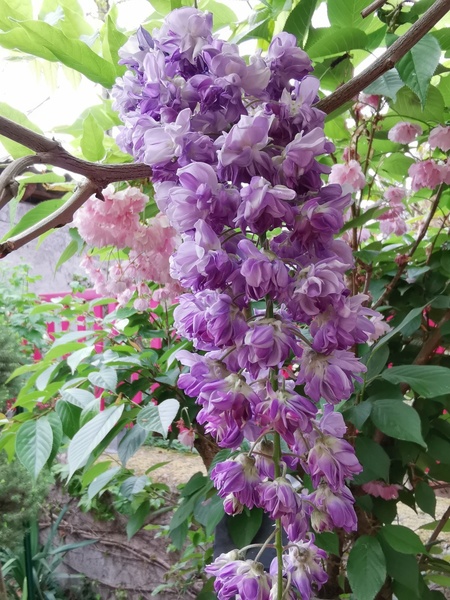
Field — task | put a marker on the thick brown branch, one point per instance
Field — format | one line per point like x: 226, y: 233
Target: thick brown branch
x: 391, y: 286
x: 386, y: 62
x: 60, y: 217
x: 372, y: 8
x: 52, y: 153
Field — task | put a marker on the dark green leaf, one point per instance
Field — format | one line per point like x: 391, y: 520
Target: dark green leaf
x: 373, y: 457
x: 137, y: 520
x: 328, y: 541
x: 415, y: 312
x: 401, y: 567
x: 402, y: 539
x: 358, y: 414
x: 428, y: 381
x: 57, y: 430
x: 398, y: 420
x: 366, y: 568
x: 417, y: 67
x: 70, y: 417
x: 425, y: 498
x: 243, y: 527
x: 409, y: 106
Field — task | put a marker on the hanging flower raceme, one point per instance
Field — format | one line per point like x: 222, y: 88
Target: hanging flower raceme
x: 236, y: 149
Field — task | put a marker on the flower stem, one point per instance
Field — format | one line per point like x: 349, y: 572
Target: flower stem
x: 279, y: 529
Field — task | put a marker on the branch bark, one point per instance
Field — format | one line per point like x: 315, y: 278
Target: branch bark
x: 388, y: 60
x: 372, y: 8
x: 60, y: 217
x: 52, y: 153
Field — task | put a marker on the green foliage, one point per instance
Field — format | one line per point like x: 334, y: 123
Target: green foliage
x: 21, y: 498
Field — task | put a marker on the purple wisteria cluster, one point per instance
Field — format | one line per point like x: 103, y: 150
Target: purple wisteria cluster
x: 235, y: 150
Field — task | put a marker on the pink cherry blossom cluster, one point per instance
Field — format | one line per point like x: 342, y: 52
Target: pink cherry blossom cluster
x: 115, y: 220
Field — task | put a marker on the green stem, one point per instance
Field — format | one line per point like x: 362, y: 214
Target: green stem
x: 279, y: 529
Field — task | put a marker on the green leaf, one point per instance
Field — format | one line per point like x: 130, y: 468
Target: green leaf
x: 57, y: 430
x: 130, y: 443
x: 101, y: 481
x: 425, y: 498
x: 222, y: 13
x: 43, y: 40
x: 398, y: 420
x: 33, y: 216
x: 158, y: 418
x: 374, y: 459
x: 77, y: 397
x: 62, y: 349
x: 91, y: 473
x: 328, y: 541
x: 299, y: 20
x: 209, y: 513
x: 14, y: 10
x: 415, y: 312
x: 367, y: 215
x: 325, y: 41
x: 70, y: 250
x: 70, y: 417
x: 358, y: 414
x: 409, y: 106
x: 402, y: 539
x: 366, y: 568
x: 113, y: 40
x: 13, y: 148
x: 137, y: 520
x: 91, y: 142
x: 34, y: 442
x: 133, y: 485
x: 90, y: 436
x: 244, y: 527
x: 78, y: 356
x: 426, y: 380
x: 106, y: 379
x: 347, y: 13
x: 375, y: 362
x: 401, y: 567
x: 387, y: 85
x: 417, y: 67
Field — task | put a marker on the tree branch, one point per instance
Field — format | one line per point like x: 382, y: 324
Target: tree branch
x: 388, y: 60
x: 414, y: 247
x: 51, y: 152
x: 60, y: 217
x: 372, y: 8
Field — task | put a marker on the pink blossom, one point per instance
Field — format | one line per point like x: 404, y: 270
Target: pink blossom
x: 426, y: 174
x: 349, y: 175
x: 379, y: 489
x: 112, y: 221
x: 394, y: 195
x: 404, y: 132
x: 381, y: 327
x: 186, y: 435
x: 440, y: 138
